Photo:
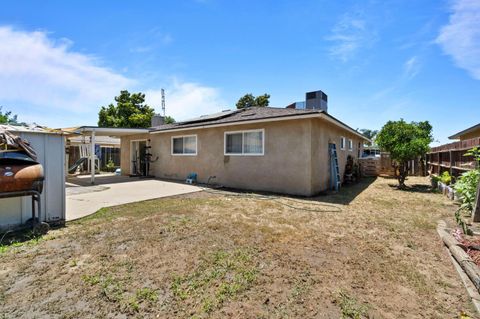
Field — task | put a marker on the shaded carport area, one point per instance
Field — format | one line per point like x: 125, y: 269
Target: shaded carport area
x: 83, y: 199
x: 92, y: 132
x: 86, y: 194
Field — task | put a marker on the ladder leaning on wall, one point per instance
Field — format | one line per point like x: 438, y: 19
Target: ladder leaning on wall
x: 334, y: 171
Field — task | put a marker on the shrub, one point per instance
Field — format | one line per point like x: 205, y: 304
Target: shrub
x: 110, y: 167
x: 466, y: 187
x: 446, y: 178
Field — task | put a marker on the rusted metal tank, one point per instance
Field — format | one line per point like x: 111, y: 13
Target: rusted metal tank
x: 18, y: 172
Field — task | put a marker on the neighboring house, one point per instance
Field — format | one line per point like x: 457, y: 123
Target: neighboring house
x: 451, y: 157
x: 284, y: 150
x: 466, y: 134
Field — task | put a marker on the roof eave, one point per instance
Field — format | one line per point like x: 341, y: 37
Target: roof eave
x: 458, y: 135
x: 323, y: 115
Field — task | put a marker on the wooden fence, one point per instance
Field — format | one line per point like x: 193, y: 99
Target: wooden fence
x: 375, y: 166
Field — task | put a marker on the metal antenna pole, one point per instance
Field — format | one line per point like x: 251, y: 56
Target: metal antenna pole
x: 163, y: 102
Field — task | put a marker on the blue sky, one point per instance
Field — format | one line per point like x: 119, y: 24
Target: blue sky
x: 377, y: 60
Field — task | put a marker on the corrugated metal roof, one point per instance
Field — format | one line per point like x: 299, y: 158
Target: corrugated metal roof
x: 30, y: 128
x: 102, y: 140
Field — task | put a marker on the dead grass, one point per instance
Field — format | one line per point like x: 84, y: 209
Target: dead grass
x: 369, y: 251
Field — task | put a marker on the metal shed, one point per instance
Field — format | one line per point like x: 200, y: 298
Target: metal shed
x: 50, y: 149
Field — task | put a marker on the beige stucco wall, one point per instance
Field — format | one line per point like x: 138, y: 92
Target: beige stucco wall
x: 125, y: 156
x: 295, y: 160
x: 323, y: 133
x: 283, y: 168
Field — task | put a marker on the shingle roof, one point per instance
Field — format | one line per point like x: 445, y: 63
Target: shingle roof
x: 242, y: 115
x: 247, y: 115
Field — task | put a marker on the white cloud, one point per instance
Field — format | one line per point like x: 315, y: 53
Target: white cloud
x: 460, y: 38
x: 349, y: 35
x: 411, y: 67
x: 45, y: 73
x: 186, y: 100
x: 46, y: 81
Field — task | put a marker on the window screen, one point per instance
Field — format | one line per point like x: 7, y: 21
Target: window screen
x: 244, y: 143
x: 234, y: 143
x: 253, y: 142
x: 184, y: 145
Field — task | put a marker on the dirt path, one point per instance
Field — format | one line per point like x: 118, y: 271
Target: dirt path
x: 371, y: 250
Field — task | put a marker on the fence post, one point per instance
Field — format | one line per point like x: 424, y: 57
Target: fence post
x: 476, y: 207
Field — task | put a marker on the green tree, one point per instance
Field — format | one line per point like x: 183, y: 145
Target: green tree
x: 169, y: 120
x: 370, y: 134
x: 405, y: 142
x: 7, y: 117
x: 248, y: 100
x: 130, y: 111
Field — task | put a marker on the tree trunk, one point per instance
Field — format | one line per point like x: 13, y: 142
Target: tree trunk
x: 403, y: 172
x: 476, y: 207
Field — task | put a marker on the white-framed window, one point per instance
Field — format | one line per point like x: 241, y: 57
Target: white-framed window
x: 184, y: 145
x: 248, y: 143
x: 342, y: 143
x: 350, y: 144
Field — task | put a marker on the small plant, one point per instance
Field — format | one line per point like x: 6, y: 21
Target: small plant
x: 475, y: 152
x: 91, y: 279
x: 446, y: 178
x: 110, y: 167
x: 460, y: 222
x: 466, y: 187
x: 133, y: 304
x: 350, y: 307
x: 146, y: 294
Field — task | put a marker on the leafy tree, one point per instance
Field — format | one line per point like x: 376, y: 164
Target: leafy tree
x: 7, y: 118
x: 370, y: 134
x: 130, y: 111
x: 169, y: 120
x: 248, y: 100
x: 405, y: 142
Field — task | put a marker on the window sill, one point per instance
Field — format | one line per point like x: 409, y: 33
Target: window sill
x: 243, y: 154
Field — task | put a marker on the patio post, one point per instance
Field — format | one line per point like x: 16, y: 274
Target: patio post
x: 92, y: 157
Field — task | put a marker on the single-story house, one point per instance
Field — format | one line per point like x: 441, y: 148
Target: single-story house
x: 451, y: 157
x: 284, y: 150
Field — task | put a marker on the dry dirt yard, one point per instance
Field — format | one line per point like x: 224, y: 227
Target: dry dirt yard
x: 370, y: 251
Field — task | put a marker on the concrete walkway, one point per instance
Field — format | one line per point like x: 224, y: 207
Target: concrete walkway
x: 85, y: 200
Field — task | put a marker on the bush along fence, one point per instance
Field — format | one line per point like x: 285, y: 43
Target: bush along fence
x: 462, y: 243
x: 464, y: 189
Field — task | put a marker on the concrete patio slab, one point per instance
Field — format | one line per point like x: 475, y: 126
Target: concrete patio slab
x: 86, y: 200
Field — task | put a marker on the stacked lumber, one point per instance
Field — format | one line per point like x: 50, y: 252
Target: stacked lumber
x: 369, y: 166
x: 386, y: 167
